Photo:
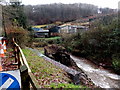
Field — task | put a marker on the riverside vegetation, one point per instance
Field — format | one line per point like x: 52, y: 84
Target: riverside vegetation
x: 100, y: 44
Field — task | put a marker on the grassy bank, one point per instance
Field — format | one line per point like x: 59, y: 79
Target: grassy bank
x: 40, y: 42
x: 47, y: 74
x: 51, y: 38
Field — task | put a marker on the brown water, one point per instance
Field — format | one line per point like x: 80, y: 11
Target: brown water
x: 100, y: 77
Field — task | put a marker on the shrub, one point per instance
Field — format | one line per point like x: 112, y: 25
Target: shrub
x: 41, y: 42
x: 99, y: 44
x: 21, y: 36
x: 116, y: 62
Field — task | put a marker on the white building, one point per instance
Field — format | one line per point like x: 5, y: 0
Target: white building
x: 71, y: 28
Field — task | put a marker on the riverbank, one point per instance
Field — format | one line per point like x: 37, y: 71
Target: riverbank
x: 47, y: 74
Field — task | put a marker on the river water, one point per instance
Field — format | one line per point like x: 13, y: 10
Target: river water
x: 100, y: 77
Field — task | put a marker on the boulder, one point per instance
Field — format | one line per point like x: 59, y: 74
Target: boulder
x: 59, y: 53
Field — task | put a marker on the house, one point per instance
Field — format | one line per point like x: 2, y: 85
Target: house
x: 39, y: 31
x: 46, y: 30
x: 71, y: 28
x: 67, y: 29
x: 54, y: 31
x: 42, y: 33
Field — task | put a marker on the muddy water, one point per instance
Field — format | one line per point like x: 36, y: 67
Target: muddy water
x: 100, y: 77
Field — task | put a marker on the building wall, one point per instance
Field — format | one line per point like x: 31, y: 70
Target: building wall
x: 68, y: 29
x: 42, y: 34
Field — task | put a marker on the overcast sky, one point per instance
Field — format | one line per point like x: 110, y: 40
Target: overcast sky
x: 100, y: 3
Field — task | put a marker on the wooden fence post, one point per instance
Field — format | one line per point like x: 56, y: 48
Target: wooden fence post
x: 25, y: 78
x: 15, y: 53
x: 18, y: 57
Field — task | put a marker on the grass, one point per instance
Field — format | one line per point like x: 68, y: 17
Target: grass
x: 40, y: 49
x: 66, y: 85
x: 51, y: 38
x: 41, y: 42
x: 45, y: 72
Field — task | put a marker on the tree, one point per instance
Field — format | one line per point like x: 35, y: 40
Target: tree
x: 50, y: 13
x: 19, y: 16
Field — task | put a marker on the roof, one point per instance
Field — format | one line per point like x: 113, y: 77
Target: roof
x: 39, y: 26
x: 74, y: 26
x: 86, y: 23
x: 43, y: 31
x: 66, y: 24
x: 37, y: 29
x: 54, y: 29
x: 42, y: 26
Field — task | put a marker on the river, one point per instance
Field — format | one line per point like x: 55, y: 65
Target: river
x: 100, y: 77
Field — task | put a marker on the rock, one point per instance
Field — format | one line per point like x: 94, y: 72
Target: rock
x: 59, y: 54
